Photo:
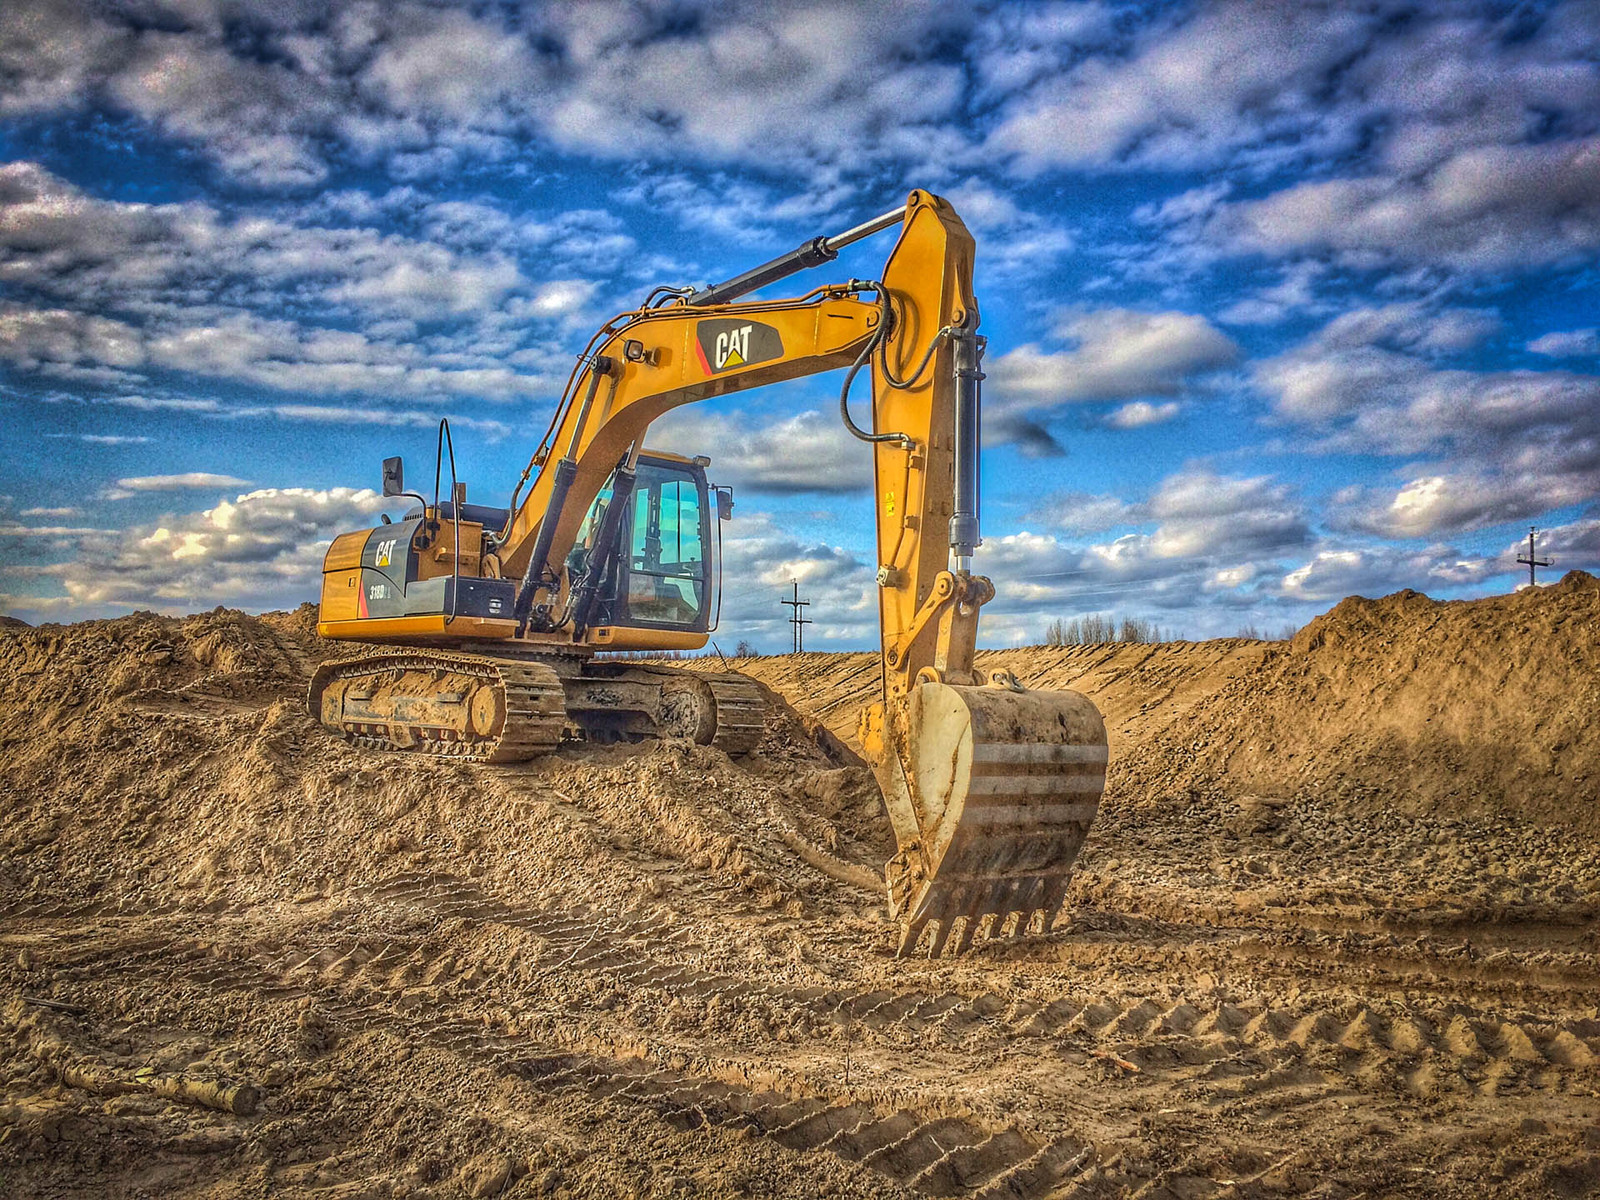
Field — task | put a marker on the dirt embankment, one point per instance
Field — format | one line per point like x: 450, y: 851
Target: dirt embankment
x: 240, y: 957
x: 1474, y: 707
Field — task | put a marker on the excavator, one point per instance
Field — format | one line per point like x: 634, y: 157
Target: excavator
x: 494, y: 624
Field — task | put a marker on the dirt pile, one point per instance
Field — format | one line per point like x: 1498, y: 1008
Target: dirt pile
x: 1482, y: 707
x: 1476, y: 707
x: 238, y: 956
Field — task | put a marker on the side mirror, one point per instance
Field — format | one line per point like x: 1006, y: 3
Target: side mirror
x: 724, y: 505
x: 394, y: 477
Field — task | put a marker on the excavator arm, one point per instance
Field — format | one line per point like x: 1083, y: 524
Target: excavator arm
x: 990, y: 787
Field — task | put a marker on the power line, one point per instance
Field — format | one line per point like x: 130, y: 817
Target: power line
x: 798, y: 620
x: 1531, y: 560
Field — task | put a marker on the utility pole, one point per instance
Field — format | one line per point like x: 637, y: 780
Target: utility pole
x: 798, y: 620
x: 1532, y: 561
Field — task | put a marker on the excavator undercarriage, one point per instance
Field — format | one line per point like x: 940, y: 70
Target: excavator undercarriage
x: 497, y: 709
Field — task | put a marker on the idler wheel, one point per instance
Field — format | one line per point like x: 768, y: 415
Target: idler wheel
x: 485, y: 709
x: 688, y: 710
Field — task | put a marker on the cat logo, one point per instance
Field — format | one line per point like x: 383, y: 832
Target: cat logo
x: 385, y: 549
x: 733, y: 347
x: 725, y: 345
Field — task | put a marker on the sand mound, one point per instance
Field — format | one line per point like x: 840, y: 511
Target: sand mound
x: 190, y: 738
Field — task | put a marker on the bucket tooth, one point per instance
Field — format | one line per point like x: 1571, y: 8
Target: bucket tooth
x: 909, y: 939
x: 964, y: 938
x: 970, y: 919
x: 1055, y: 892
x: 1024, y: 902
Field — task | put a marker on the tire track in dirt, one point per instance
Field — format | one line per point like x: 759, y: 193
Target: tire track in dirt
x: 932, y: 1153
x: 389, y: 974
x: 393, y: 979
x: 1364, y: 1035
x: 1365, y: 1042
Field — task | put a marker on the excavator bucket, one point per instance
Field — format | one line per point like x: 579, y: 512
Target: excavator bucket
x: 1005, y: 783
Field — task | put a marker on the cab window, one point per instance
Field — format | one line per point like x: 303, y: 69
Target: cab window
x: 666, y: 555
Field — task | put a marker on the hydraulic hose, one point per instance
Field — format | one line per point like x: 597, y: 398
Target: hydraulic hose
x: 844, y: 399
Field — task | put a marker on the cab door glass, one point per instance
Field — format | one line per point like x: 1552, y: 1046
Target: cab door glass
x: 666, y: 559
x: 578, y: 559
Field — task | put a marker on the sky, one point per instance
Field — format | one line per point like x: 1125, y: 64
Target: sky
x: 1285, y: 302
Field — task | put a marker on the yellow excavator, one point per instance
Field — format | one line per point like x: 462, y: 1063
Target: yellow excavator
x: 499, y: 617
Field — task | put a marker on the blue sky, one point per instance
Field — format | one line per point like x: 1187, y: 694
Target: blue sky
x: 1284, y: 302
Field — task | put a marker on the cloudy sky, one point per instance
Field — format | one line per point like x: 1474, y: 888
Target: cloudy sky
x: 1285, y: 302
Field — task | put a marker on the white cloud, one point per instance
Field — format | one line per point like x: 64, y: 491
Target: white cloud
x: 50, y: 54
x: 58, y: 240
x: 1295, y: 292
x: 12, y: 529
x: 735, y: 210
x: 1141, y: 413
x: 1191, y: 92
x: 174, y: 483
x: 1011, y: 240
x: 1472, y: 497
x: 1571, y: 343
x: 1484, y: 208
x: 807, y: 452
x: 104, y: 439
x: 761, y: 556
x: 1336, y: 572
x: 262, y: 549
x: 1212, y: 544
x: 558, y: 297
x: 1203, y: 515
x: 319, y: 414
x: 115, y: 290
x: 1119, y: 354
x: 1501, y: 445
x: 422, y: 87
x: 1572, y: 545
x: 1079, y: 512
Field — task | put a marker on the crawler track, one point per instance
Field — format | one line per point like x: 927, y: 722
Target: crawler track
x: 501, y: 711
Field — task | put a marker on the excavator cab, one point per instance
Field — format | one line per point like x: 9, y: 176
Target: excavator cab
x: 660, y: 574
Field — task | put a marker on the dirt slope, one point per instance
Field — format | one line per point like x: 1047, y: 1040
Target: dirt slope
x: 238, y: 957
x: 1480, y: 707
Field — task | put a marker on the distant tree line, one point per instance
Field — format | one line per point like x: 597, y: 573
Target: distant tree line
x: 744, y: 649
x: 1094, y: 629
x: 1253, y: 632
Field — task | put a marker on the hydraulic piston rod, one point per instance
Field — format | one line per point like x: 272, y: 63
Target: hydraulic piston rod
x: 811, y: 254
x: 964, y: 536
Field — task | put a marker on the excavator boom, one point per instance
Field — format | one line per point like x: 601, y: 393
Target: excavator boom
x: 990, y: 787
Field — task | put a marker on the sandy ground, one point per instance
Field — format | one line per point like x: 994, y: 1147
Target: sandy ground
x: 240, y: 958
